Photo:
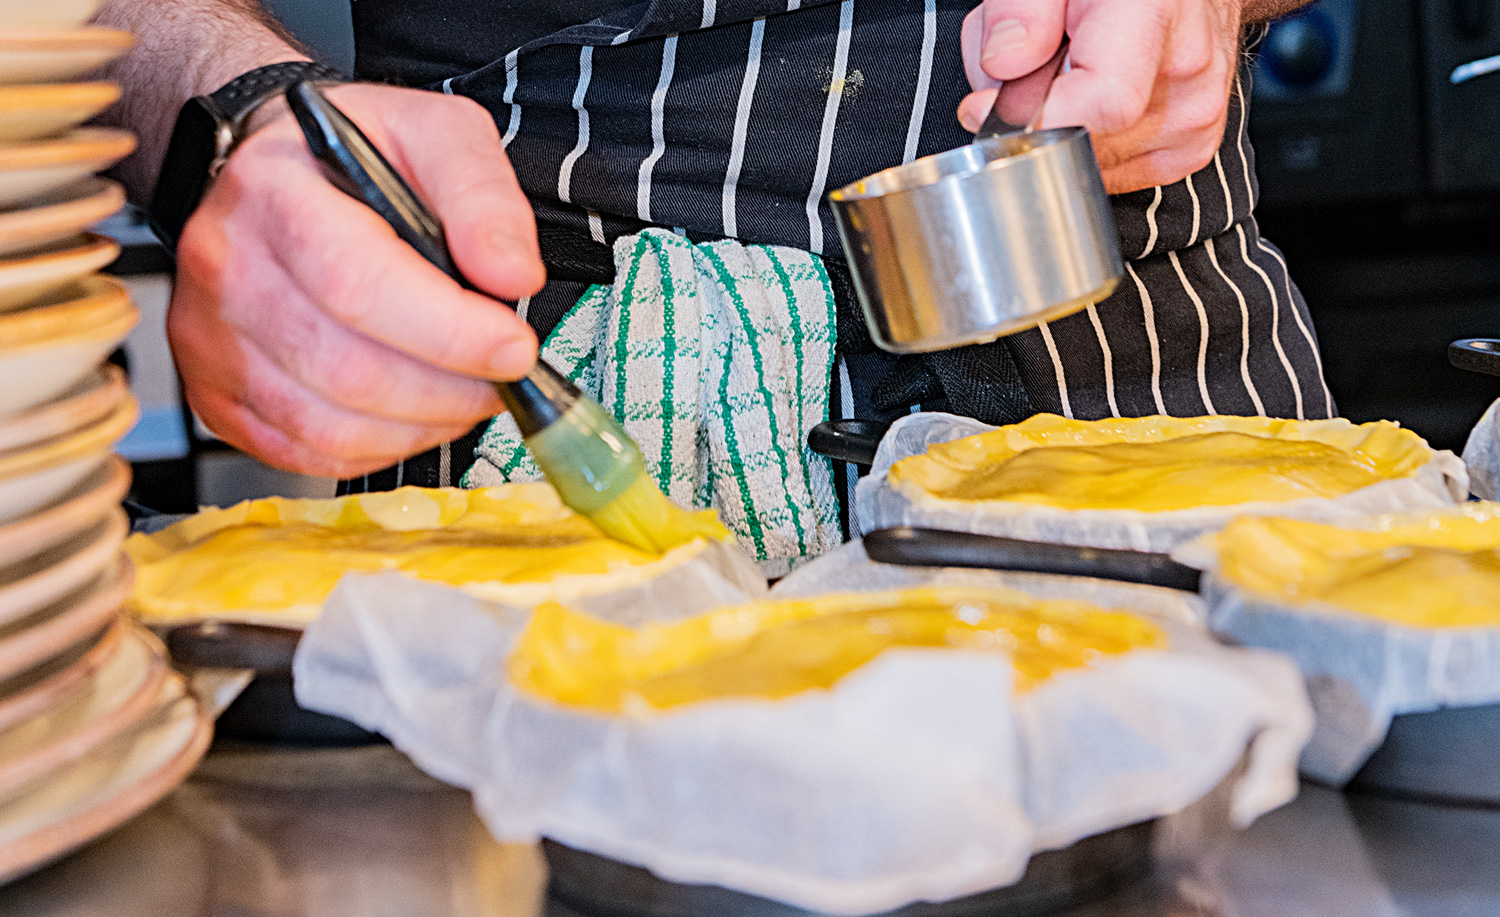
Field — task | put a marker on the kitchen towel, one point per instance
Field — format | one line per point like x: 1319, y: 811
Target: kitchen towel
x: 716, y: 359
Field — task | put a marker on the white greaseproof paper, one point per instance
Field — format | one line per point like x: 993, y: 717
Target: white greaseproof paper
x: 1441, y: 482
x: 921, y: 776
x: 1361, y: 671
x: 1482, y: 455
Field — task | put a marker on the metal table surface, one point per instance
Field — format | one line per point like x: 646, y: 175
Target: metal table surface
x: 263, y: 832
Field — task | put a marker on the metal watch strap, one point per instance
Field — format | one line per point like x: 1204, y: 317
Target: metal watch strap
x: 207, y: 132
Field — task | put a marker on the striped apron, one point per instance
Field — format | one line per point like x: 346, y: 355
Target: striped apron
x: 734, y: 118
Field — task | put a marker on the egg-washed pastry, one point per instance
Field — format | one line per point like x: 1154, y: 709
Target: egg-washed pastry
x: 1437, y: 571
x: 1157, y: 464
x: 277, y: 559
x: 776, y: 649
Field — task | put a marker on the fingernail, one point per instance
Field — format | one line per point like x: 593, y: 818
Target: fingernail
x: 514, y: 254
x: 1007, y: 35
x: 967, y: 121
x: 512, y: 359
x: 504, y: 244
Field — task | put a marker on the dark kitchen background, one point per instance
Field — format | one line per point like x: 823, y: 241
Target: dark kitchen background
x: 1380, y: 180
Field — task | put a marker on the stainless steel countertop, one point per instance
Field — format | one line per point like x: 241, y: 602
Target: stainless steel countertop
x: 361, y: 833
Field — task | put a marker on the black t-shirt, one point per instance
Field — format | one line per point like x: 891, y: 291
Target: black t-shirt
x: 419, y: 42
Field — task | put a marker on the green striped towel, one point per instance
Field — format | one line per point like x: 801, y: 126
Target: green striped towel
x: 716, y: 358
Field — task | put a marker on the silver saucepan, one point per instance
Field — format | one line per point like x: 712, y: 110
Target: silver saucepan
x: 991, y: 238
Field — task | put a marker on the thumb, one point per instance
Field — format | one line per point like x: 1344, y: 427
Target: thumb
x: 1018, y: 36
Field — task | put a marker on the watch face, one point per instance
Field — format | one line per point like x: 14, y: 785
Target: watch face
x: 184, y: 169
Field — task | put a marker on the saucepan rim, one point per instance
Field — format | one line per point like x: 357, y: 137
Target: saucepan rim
x: 914, y: 176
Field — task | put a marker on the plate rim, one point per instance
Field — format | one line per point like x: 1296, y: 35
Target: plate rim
x: 47, y: 844
x: 93, y: 553
x: 102, y: 307
x: 73, y: 513
x: 33, y: 698
x: 52, y: 268
x: 75, y: 208
x: 60, y: 751
x: 79, y: 146
x: 65, y: 39
x: 81, y: 443
x: 96, y: 604
x: 94, y: 397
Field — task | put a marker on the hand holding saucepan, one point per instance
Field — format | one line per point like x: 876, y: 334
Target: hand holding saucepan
x: 1150, y: 79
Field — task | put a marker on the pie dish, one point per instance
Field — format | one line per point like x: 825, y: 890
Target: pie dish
x: 34, y: 168
x: 275, y: 560
x: 1436, y: 571
x: 58, y: 215
x: 32, y: 14
x: 1156, y: 464
x: 53, y: 345
x: 36, y: 111
x: 1147, y: 483
x: 27, y: 277
x: 56, y: 55
x: 1387, y: 616
x: 777, y: 649
x: 840, y: 749
x: 39, y: 475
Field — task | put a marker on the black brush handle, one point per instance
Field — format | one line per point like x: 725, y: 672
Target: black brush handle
x: 919, y: 547
x: 354, y: 166
x: 852, y: 441
x: 1477, y: 355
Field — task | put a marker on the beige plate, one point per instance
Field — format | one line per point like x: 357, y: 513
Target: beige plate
x: 59, y: 215
x: 117, y: 697
x: 33, y: 478
x: 28, y: 278
x: 37, y: 688
x: 23, y: 470
x: 48, y: 109
x: 90, y: 502
x: 105, y: 789
x: 66, y: 623
x: 56, y: 55
x: 88, y: 401
x: 35, y: 14
x: 33, y: 169
x: 30, y: 587
x: 51, y: 347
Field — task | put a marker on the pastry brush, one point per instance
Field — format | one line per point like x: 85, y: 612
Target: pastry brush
x: 586, y: 455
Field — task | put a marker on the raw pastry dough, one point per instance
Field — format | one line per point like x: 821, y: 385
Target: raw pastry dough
x: 1157, y: 464
x: 1438, y: 571
x: 278, y: 558
x: 779, y: 648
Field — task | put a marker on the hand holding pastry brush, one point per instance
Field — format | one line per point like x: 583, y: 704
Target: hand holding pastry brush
x: 584, y: 453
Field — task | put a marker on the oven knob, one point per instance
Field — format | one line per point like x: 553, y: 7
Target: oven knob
x: 1299, y: 51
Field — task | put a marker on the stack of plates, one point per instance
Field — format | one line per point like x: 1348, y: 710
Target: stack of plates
x: 94, y: 726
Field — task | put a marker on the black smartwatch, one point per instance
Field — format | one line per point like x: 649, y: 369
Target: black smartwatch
x: 208, y: 130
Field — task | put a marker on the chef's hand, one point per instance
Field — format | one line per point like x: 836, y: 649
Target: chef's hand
x: 310, y: 336
x: 1150, y: 79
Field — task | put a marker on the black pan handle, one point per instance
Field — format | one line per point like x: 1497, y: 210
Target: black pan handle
x: 848, y: 440
x: 233, y: 645
x: 917, y: 547
x: 1477, y: 355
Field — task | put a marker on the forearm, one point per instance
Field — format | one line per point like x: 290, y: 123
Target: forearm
x: 1261, y: 10
x: 183, y: 48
